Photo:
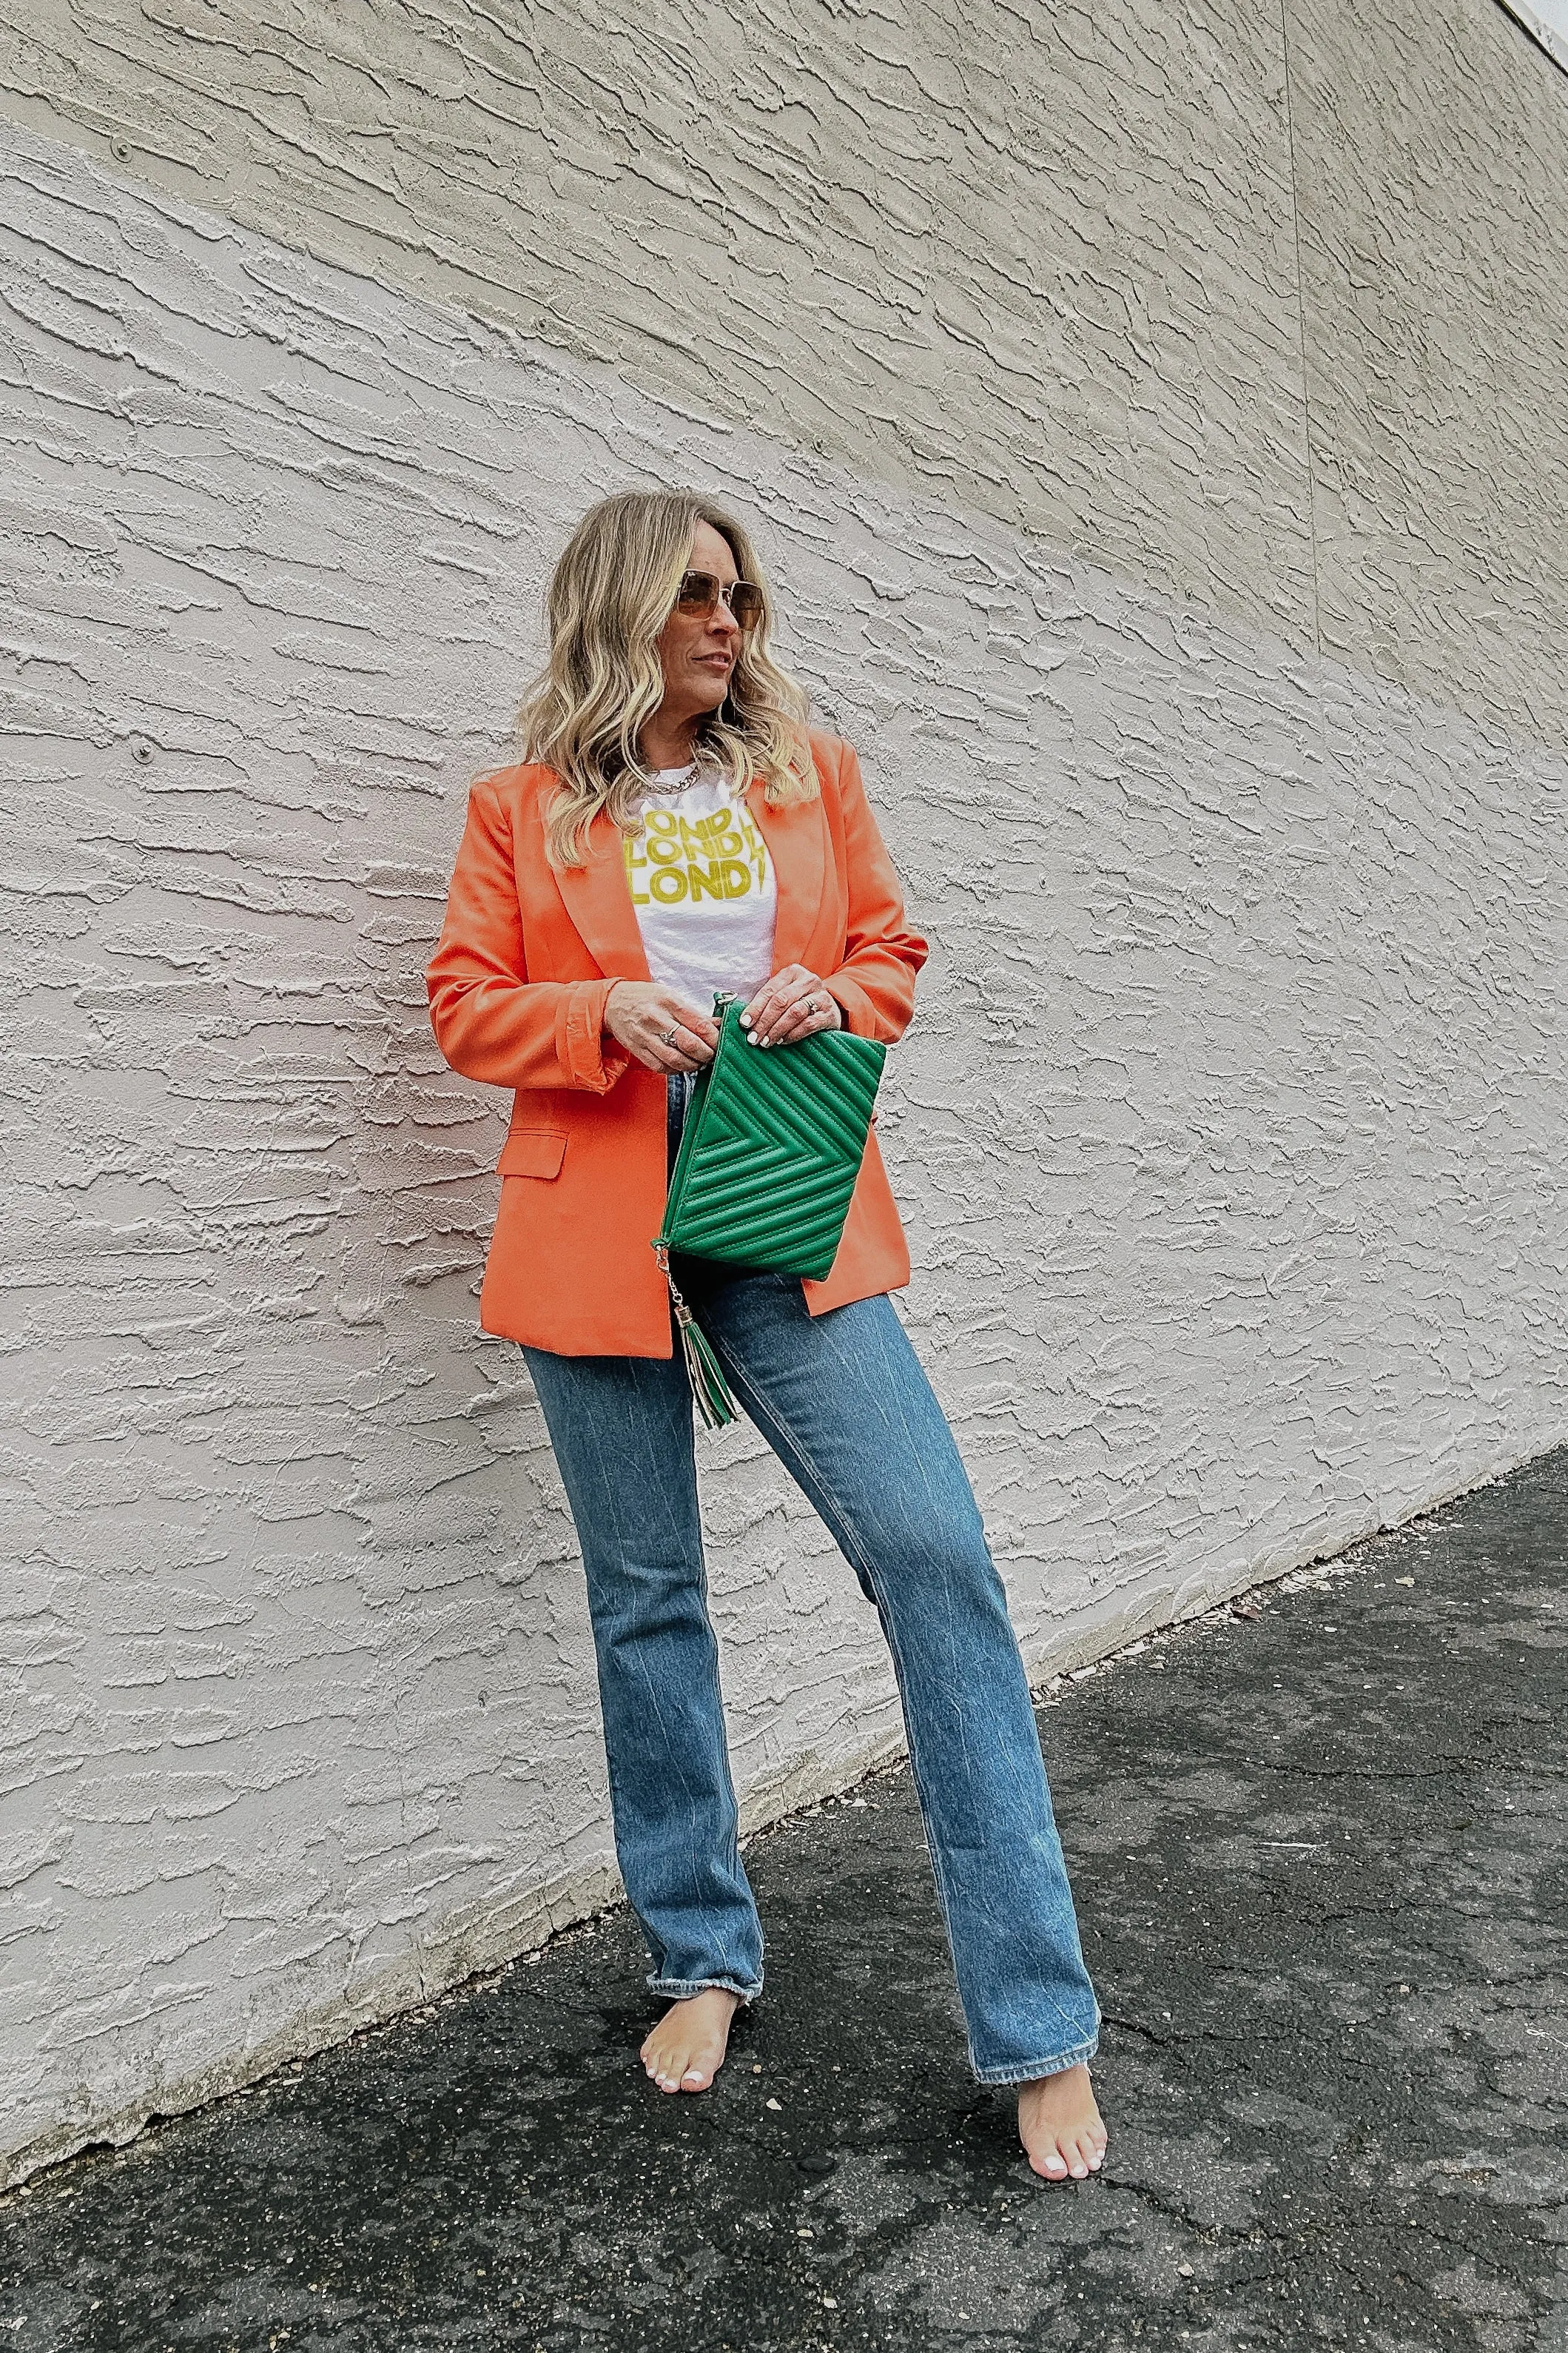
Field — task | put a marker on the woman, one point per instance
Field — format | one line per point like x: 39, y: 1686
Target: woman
x: 678, y: 830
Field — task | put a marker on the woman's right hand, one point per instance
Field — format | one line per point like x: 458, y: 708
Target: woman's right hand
x: 657, y: 1028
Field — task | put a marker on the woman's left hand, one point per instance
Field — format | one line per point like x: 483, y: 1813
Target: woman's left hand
x: 793, y: 1004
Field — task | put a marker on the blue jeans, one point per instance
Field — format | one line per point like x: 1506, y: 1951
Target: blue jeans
x: 843, y: 1402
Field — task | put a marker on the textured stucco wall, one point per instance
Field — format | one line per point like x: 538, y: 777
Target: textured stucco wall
x: 1158, y: 432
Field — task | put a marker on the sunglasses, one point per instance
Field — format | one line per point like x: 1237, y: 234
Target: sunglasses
x: 702, y: 592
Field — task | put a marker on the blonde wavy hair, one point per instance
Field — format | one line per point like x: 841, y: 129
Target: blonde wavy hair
x: 610, y: 595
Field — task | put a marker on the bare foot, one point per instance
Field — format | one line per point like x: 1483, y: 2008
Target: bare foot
x: 1060, y: 2125
x: 686, y: 2049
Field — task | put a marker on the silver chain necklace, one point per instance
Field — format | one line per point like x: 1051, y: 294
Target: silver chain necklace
x: 683, y: 780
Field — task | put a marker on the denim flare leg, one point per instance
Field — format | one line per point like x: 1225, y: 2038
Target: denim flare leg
x: 843, y: 1401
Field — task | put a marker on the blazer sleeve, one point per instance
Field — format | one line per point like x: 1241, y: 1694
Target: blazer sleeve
x: 875, y: 985
x: 490, y: 1020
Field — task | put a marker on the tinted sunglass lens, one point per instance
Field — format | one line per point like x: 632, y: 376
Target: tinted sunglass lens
x: 746, y: 604
x: 697, y: 591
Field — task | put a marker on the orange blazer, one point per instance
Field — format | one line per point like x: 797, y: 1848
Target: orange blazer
x: 518, y: 983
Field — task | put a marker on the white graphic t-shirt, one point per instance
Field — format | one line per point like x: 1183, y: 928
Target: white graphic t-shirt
x: 703, y: 886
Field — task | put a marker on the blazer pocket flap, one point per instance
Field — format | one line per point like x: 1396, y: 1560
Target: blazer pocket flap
x: 533, y: 1152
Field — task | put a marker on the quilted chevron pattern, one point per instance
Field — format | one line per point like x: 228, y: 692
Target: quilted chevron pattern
x: 772, y: 1146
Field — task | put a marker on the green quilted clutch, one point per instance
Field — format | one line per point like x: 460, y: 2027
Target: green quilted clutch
x: 769, y: 1155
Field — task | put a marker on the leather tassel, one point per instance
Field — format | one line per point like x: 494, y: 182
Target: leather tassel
x: 710, y: 1392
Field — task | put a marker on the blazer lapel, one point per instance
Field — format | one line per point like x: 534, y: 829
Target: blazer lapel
x: 796, y: 837
x: 599, y: 903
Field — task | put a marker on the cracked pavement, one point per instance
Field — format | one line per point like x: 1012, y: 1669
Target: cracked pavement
x: 1318, y: 1844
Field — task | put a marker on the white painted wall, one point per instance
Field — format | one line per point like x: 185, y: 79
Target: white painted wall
x: 1547, y: 22
x: 1228, y: 1131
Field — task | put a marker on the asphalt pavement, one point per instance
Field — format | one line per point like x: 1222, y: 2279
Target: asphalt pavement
x: 1319, y: 1846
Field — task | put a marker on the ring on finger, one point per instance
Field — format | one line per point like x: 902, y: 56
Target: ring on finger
x: 669, y: 1037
